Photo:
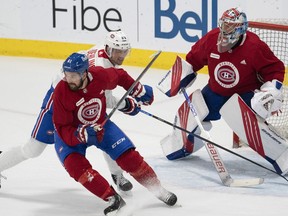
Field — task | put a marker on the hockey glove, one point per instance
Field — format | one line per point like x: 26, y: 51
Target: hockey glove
x: 90, y: 134
x: 131, y: 107
x: 268, y: 100
x: 143, y: 94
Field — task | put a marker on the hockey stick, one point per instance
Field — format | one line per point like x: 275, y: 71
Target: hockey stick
x: 1, y: 176
x: 249, y: 181
x: 155, y: 56
x: 214, y: 155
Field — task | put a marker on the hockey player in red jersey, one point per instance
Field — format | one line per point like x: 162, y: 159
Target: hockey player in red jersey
x: 78, y: 111
x: 238, y: 62
x: 116, y: 48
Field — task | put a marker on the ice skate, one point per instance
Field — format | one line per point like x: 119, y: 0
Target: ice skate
x: 122, y: 183
x: 115, y: 203
x: 167, y: 197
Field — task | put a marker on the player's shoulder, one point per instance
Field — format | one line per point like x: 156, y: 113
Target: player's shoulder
x: 211, y: 36
x: 60, y: 88
x: 60, y: 84
x: 253, y: 38
x: 254, y: 41
x: 214, y: 31
x: 100, y: 58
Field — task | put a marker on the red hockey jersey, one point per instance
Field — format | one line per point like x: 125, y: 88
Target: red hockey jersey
x: 88, y: 105
x: 239, y: 70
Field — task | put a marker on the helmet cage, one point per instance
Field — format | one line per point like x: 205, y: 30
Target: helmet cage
x: 232, y: 25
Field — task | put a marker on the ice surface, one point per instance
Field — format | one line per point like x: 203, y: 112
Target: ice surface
x: 41, y: 186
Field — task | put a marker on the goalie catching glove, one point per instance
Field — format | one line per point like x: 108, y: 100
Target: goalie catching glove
x: 143, y: 94
x: 268, y: 100
x: 90, y: 134
x: 131, y: 107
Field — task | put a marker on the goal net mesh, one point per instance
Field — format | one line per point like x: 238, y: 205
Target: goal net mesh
x: 275, y: 34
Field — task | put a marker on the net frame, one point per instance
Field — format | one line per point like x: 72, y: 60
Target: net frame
x: 275, y: 34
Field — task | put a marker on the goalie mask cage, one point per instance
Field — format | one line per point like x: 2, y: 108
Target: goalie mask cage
x: 275, y: 34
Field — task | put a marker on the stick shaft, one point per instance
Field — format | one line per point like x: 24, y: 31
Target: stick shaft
x: 155, y: 56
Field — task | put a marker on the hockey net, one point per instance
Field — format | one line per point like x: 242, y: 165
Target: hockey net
x: 275, y: 33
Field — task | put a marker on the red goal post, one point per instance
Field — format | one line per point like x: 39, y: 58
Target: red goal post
x: 275, y: 34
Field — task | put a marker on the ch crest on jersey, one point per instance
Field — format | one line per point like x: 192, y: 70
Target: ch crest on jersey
x: 226, y: 74
x: 89, y: 112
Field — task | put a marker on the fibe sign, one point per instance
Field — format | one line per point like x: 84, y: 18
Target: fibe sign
x: 182, y: 22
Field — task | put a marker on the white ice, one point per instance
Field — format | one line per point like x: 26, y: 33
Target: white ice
x: 41, y: 186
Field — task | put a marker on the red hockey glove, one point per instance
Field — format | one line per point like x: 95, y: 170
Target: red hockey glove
x: 131, y: 107
x: 99, y: 132
x: 143, y: 93
x: 90, y: 134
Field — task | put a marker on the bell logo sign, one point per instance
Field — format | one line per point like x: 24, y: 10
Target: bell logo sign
x: 187, y: 24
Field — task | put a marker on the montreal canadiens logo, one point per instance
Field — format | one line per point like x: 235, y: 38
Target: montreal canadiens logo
x: 89, y: 112
x: 226, y: 74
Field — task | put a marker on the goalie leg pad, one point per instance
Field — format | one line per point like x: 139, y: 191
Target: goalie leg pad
x: 258, y: 134
x: 174, y: 149
x: 181, y: 75
x: 281, y: 164
x: 177, y: 145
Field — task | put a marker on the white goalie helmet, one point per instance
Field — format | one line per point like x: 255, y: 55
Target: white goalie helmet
x: 232, y: 24
x: 117, y: 40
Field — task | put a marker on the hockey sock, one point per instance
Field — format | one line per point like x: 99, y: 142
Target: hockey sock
x: 11, y: 158
x: 139, y: 169
x: 81, y: 170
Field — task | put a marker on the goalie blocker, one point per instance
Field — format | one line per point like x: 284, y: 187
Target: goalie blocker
x: 254, y: 130
x: 177, y: 145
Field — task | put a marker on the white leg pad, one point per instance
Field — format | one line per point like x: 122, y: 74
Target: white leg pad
x: 282, y: 161
x: 177, y: 145
x: 259, y: 135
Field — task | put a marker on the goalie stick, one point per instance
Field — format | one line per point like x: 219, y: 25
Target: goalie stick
x: 215, y: 157
x: 155, y: 56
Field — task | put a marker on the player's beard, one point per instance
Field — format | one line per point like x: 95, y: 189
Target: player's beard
x: 75, y: 87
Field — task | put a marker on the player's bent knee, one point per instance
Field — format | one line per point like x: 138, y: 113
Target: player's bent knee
x: 130, y: 160
x: 76, y: 165
x: 33, y: 148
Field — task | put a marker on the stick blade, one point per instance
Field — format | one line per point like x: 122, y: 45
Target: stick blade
x: 244, y: 182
